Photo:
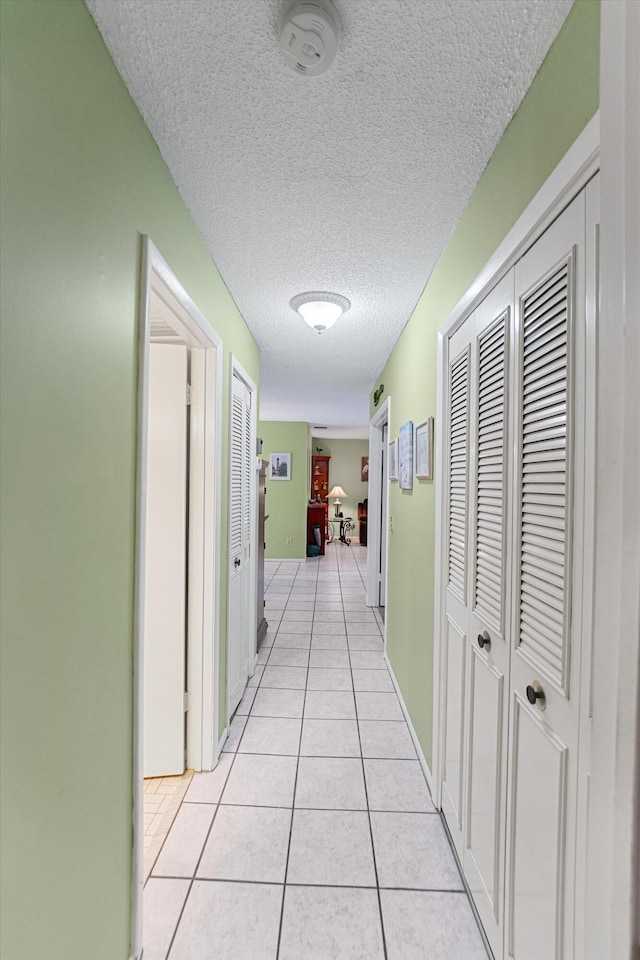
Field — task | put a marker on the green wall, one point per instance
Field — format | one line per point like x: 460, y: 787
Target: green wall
x: 559, y: 103
x: 344, y: 469
x: 287, y: 500
x: 82, y: 179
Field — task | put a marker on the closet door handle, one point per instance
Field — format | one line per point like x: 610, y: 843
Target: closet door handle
x: 236, y: 562
x: 535, y: 695
x: 484, y: 640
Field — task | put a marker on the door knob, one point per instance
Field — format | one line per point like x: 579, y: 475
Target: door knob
x: 535, y: 695
x: 484, y: 640
x: 236, y: 562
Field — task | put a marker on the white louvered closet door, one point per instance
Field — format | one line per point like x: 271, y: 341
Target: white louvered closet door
x: 239, y: 621
x: 545, y: 625
x: 488, y: 652
x: 458, y: 405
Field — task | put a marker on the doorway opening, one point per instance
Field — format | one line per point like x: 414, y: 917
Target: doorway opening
x: 176, y: 656
x: 378, y: 509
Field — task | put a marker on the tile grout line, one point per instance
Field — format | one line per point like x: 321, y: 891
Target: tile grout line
x: 366, y: 795
x: 195, y: 869
x: 322, y: 886
x: 173, y: 820
x: 293, y: 799
x: 275, y: 806
x: 213, y: 819
x: 220, y: 803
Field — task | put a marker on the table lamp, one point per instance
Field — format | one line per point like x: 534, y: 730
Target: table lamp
x: 337, y: 492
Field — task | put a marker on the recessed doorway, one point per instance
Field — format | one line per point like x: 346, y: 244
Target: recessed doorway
x: 177, y: 557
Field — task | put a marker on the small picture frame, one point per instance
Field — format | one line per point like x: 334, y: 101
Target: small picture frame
x: 424, y: 450
x: 405, y: 455
x: 280, y: 466
x: 364, y: 469
x: 393, y: 460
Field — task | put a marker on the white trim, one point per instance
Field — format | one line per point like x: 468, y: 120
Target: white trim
x: 236, y: 368
x: 382, y: 416
x: 221, y: 742
x: 288, y: 559
x: 577, y: 167
x: 612, y: 915
x: 414, y: 736
x: 588, y: 552
x: 137, y: 866
x: 202, y: 732
x: 440, y: 559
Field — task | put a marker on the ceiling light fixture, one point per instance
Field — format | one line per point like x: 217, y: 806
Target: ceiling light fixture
x: 319, y: 310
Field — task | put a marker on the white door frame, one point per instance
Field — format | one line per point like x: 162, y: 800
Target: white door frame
x: 576, y: 168
x: 203, y: 644
x: 235, y: 368
x: 612, y: 913
x: 374, y: 532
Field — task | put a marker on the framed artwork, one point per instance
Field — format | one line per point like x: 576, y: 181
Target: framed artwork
x: 405, y: 455
x: 364, y: 469
x: 280, y: 466
x: 393, y: 460
x: 424, y: 450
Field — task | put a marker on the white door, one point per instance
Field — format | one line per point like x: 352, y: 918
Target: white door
x: 488, y: 651
x: 456, y: 633
x: 165, y: 562
x: 545, y: 631
x: 518, y: 472
x: 384, y: 496
x: 240, y: 521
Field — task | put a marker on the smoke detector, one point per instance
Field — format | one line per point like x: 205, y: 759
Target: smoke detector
x: 309, y: 32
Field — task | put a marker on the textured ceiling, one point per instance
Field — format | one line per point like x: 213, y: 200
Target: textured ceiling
x: 350, y: 182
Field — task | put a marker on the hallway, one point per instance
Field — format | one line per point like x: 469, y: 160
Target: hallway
x: 315, y: 838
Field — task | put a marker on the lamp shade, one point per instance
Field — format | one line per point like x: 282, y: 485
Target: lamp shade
x: 337, y: 492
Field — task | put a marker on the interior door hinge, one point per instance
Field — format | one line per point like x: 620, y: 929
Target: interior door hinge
x: 188, y: 394
x: 186, y: 701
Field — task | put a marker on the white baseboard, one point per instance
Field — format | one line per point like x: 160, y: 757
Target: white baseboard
x: 285, y: 559
x: 414, y: 735
x: 221, y: 742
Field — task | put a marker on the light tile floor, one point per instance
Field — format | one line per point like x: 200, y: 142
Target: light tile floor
x: 162, y: 799
x: 315, y: 838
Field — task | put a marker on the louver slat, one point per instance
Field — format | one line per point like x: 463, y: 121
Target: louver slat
x: 458, y: 467
x: 490, y: 494
x: 246, y: 488
x: 235, y: 512
x: 544, y: 480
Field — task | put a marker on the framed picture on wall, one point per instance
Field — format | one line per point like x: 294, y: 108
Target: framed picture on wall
x: 364, y: 469
x: 424, y: 450
x: 393, y: 460
x: 405, y: 455
x: 280, y: 466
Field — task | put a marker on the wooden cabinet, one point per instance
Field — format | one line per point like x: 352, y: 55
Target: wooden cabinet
x: 319, y: 477
x: 319, y: 505
x: 316, y: 516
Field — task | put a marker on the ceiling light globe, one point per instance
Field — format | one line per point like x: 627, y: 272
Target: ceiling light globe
x: 320, y: 310
x: 319, y: 314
